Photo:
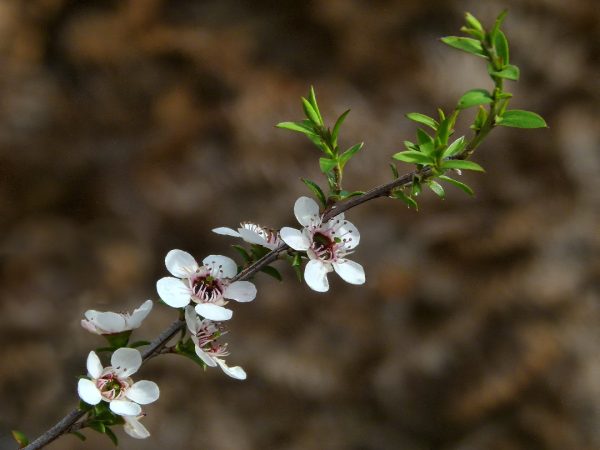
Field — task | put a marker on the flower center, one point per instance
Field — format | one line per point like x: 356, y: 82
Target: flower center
x: 207, y: 289
x: 111, y: 387
x: 324, y: 246
x: 207, y: 339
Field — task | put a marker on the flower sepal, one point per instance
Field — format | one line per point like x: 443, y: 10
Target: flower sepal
x: 118, y: 340
x: 188, y: 349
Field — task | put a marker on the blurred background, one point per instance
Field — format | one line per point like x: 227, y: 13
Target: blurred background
x: 128, y: 128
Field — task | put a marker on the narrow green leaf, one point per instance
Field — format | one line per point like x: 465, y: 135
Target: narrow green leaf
x: 427, y: 148
x: 415, y: 187
x: 479, y: 35
x: 444, y: 131
x: 521, y: 119
x: 336, y: 128
x: 272, y: 271
x: 98, y: 426
x: 394, y: 171
x: 423, y: 119
x: 137, y: 344
x: 462, y: 164
x: 243, y: 252
x: 315, y: 189
x: 112, y: 436
x: 411, y: 146
x: 501, y: 45
x: 413, y: 157
x: 344, y: 157
x: 423, y: 137
x: 458, y: 184
x: 479, y: 119
x: 327, y: 164
x: 346, y: 194
x: 473, y: 22
x: 508, y: 72
x: 297, y: 126
x: 79, y: 435
x: 310, y: 112
x: 20, y: 437
x: 468, y: 45
x: 455, y: 148
x: 497, y: 25
x: 410, y: 202
x: 312, y: 98
x: 436, y: 188
x: 474, y: 97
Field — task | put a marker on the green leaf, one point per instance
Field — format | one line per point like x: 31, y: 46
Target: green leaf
x: 468, y: 45
x: 474, y: 97
x: 118, y: 340
x: 521, y: 119
x: 139, y: 344
x: 473, y: 22
x: 336, y: 128
x: 423, y: 119
x: 327, y: 164
x: 346, y: 194
x: 344, y: 157
x: 423, y: 137
x: 501, y: 45
x: 79, y: 435
x: 445, y: 130
x: 98, y: 426
x: 297, y: 126
x: 20, y: 437
x: 310, y: 112
x: 411, y: 146
x: 509, y: 72
x: 480, y: 119
x: 315, y: 189
x: 413, y: 157
x: 455, y: 148
x: 415, y: 188
x: 394, y: 171
x: 312, y: 98
x: 462, y: 165
x: 243, y: 252
x: 457, y: 183
x: 272, y: 271
x: 112, y: 436
x: 400, y: 195
x: 436, y: 188
x: 497, y: 25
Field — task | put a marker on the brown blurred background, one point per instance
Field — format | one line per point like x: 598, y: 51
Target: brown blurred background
x: 128, y: 128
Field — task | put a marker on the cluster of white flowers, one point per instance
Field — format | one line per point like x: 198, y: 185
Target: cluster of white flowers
x: 204, y: 290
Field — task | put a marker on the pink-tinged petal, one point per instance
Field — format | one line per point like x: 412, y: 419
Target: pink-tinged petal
x: 110, y: 322
x: 350, y: 271
x: 89, y: 326
x: 349, y: 233
x: 205, y: 357
x: 173, y: 292
x: 93, y: 365
x: 226, y: 231
x: 213, y: 312
x: 192, y: 320
x: 134, y: 428
x: 126, y: 361
x: 234, y: 372
x: 143, y: 392
x: 221, y: 266
x: 294, y: 238
x: 241, y: 291
x: 306, y: 211
x: 139, y: 315
x: 125, y: 408
x: 88, y: 392
x: 315, y: 274
x: 180, y: 263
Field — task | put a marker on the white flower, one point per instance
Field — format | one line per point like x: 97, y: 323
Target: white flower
x: 205, y: 334
x: 110, y: 322
x: 134, y: 428
x: 113, y: 384
x: 207, y: 285
x: 326, y: 244
x: 253, y: 234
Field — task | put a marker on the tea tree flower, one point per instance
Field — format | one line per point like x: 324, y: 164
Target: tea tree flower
x: 113, y: 384
x: 134, y: 428
x: 207, y: 285
x: 326, y: 243
x: 110, y: 322
x: 253, y: 234
x: 205, y: 334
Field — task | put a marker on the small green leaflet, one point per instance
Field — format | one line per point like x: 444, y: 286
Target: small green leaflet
x: 462, y: 165
x: 312, y: 98
x: 410, y: 202
x: 423, y: 119
x: 436, y: 188
x: 468, y: 45
x: 455, y: 148
x: 458, y: 184
x: 344, y: 157
x: 509, y: 72
x: 521, y: 119
x: 327, y: 164
x: 297, y: 126
x: 501, y: 45
x: 20, y: 437
x: 310, y: 112
x: 413, y: 157
x: 473, y: 22
x: 336, y: 128
x: 272, y: 271
x: 474, y: 97
x: 315, y: 189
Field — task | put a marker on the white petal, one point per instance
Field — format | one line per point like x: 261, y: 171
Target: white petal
x: 234, y: 372
x: 205, y: 357
x: 214, y: 312
x: 126, y: 361
x: 306, y: 210
x: 143, y: 392
x: 226, y: 231
x: 242, y: 291
x: 350, y: 271
x: 139, y: 315
x: 180, y: 263
x: 89, y: 326
x: 93, y: 365
x: 221, y: 266
x: 252, y: 237
x: 134, y: 428
x: 350, y: 234
x: 315, y: 274
x: 88, y: 392
x: 192, y: 320
x: 125, y: 408
x: 110, y: 322
x: 294, y: 238
x: 173, y: 292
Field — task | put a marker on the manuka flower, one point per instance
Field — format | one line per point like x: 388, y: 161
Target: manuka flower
x: 134, y: 428
x: 108, y: 322
x: 253, y: 234
x: 113, y: 384
x: 205, y: 334
x: 207, y: 285
x: 326, y: 244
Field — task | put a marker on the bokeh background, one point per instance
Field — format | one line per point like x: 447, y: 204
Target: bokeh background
x: 131, y: 127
